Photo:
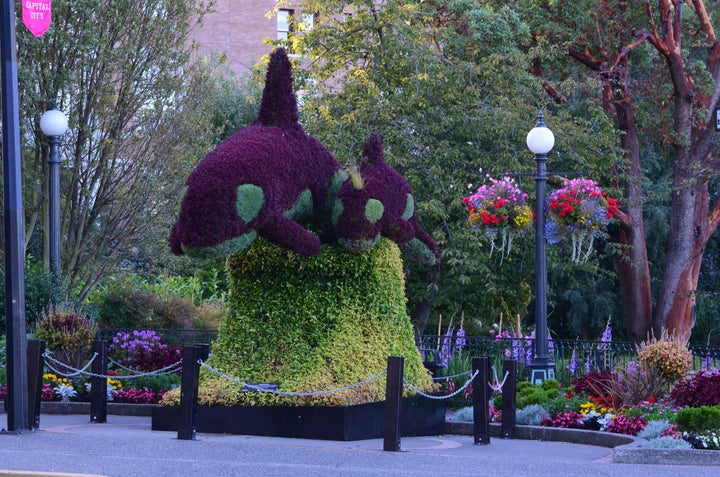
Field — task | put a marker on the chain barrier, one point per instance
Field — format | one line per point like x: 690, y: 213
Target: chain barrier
x: 498, y: 388
x: 258, y: 388
x: 49, y: 359
x: 169, y: 369
x: 447, y: 396
x: 440, y: 378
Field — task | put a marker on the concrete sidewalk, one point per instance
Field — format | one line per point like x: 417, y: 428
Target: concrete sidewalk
x: 126, y: 446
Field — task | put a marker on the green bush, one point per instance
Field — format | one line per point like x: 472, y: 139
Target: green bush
x: 154, y: 383
x: 314, y: 324
x: 41, y: 293
x: 125, y: 304
x: 696, y: 420
x: 527, y: 394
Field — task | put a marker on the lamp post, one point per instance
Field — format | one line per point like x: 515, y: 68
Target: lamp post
x: 540, y: 140
x: 54, y: 124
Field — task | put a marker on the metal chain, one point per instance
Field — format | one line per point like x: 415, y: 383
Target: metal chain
x: 447, y: 396
x: 169, y: 369
x: 288, y: 393
x: 66, y: 375
x: 499, y: 387
x: 440, y: 378
x: 172, y: 368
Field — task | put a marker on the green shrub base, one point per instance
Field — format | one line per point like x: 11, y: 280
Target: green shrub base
x: 313, y: 324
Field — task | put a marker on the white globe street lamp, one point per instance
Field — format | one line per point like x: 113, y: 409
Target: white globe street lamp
x: 540, y: 141
x: 54, y: 124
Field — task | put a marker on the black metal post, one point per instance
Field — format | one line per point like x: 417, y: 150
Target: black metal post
x: 541, y: 366
x: 393, y: 400
x: 16, y: 346
x: 54, y: 208
x: 507, y: 426
x: 189, y: 386
x: 36, y: 364
x: 99, y: 383
x: 481, y: 400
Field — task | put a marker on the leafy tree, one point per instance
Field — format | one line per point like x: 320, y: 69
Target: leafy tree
x: 658, y: 71
x: 446, y: 83
x: 121, y: 71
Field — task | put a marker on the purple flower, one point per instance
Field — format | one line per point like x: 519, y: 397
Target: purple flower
x: 460, y: 340
x: 606, y: 335
x: 572, y: 367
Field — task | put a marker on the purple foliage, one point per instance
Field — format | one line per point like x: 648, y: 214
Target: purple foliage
x: 143, y: 350
x: 702, y: 389
x: 386, y: 185
x: 267, y: 169
x: 274, y: 154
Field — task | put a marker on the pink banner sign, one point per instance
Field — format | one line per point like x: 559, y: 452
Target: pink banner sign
x: 36, y: 16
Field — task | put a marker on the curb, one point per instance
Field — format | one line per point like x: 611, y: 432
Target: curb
x: 21, y: 473
x: 550, y: 434
x: 626, y: 449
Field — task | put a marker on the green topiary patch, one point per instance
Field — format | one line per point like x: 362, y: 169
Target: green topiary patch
x: 313, y: 324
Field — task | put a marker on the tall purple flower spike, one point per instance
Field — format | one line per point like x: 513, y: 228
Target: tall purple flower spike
x: 269, y: 179
x: 379, y: 203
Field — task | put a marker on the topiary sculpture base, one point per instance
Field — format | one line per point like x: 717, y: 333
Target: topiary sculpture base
x: 419, y: 417
x: 312, y: 324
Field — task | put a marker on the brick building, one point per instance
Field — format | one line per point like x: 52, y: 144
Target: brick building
x: 237, y: 28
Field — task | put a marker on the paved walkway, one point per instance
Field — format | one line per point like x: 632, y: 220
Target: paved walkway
x: 126, y: 446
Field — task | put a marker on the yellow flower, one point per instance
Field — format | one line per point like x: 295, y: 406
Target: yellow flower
x: 50, y: 377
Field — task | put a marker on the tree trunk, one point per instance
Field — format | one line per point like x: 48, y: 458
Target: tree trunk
x: 689, y: 230
x: 632, y: 261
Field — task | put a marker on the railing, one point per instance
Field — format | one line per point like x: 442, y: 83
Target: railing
x: 572, y: 358
x: 174, y: 338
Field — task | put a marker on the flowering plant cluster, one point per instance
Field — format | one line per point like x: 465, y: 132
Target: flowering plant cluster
x: 143, y: 350
x: 669, y: 356
x: 138, y: 396
x: 700, y: 389
x: 499, y: 208
x: 579, y: 210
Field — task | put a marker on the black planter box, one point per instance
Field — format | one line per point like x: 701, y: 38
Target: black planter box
x: 419, y: 417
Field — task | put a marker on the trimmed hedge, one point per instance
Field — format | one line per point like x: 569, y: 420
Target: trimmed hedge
x: 313, y: 324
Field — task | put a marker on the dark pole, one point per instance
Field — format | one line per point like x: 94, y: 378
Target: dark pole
x: 393, y: 403
x: 541, y: 365
x: 54, y: 208
x: 14, y: 247
x: 54, y: 124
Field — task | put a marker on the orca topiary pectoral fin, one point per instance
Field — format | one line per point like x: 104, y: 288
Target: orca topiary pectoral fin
x: 288, y: 234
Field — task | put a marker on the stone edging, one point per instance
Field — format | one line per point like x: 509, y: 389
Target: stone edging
x: 113, y: 408
x: 626, y: 449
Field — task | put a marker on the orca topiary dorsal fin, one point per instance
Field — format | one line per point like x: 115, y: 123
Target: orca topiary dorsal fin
x: 278, y: 106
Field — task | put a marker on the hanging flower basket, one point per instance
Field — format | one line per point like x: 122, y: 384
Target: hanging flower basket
x: 580, y: 211
x: 499, y: 212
